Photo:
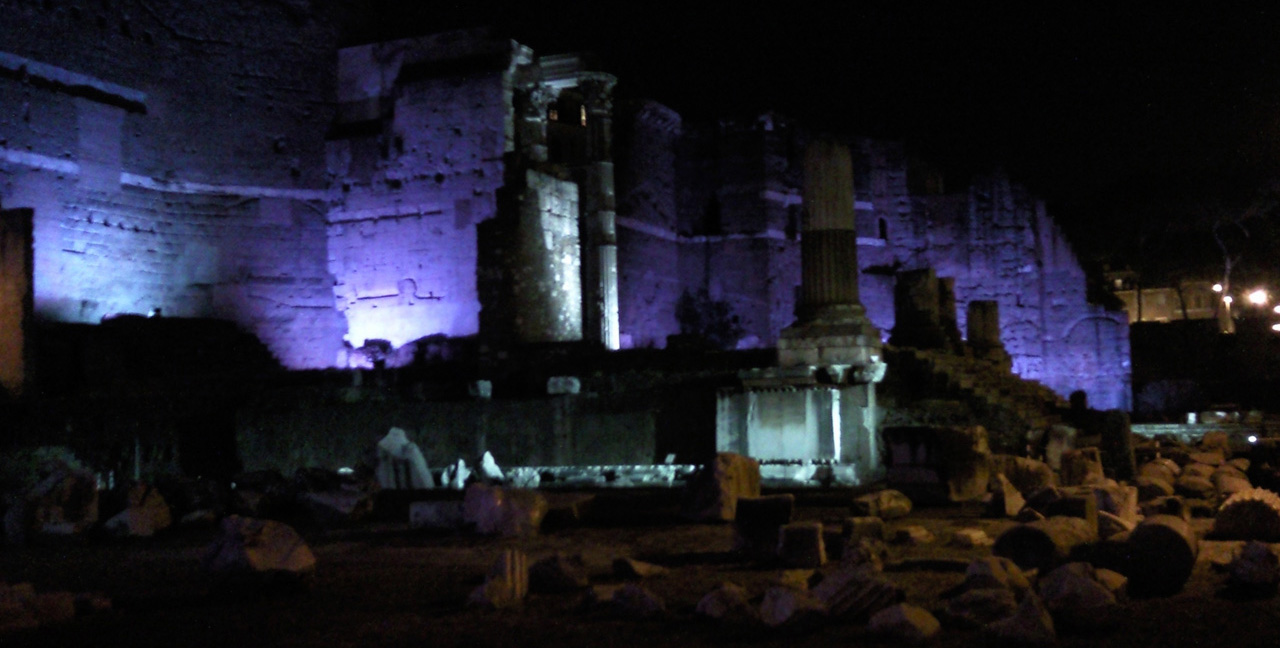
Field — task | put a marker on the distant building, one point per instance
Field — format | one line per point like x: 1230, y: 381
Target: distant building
x: 1190, y: 300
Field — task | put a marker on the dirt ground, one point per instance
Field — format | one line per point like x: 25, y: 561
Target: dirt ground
x: 381, y: 584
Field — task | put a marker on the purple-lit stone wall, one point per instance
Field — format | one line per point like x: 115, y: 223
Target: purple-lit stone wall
x: 649, y: 282
x: 415, y: 182
x: 994, y: 239
x: 739, y: 202
x: 999, y: 244
x: 174, y: 160
x: 548, y: 282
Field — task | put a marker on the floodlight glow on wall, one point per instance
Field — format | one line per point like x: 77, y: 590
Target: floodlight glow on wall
x: 1258, y: 297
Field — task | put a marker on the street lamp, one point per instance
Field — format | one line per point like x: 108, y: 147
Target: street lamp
x: 1258, y: 297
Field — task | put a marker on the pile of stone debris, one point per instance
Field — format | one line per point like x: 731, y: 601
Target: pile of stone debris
x: 21, y: 607
x: 1076, y: 542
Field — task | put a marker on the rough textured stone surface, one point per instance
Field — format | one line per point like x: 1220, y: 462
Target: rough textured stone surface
x: 1110, y: 525
x: 968, y: 463
x: 913, y: 535
x: 253, y: 547
x: 337, y: 507
x: 856, y: 528
x: 800, y: 544
x: 401, y: 464
x: 632, y: 568
x: 1115, y: 582
x: 1006, y: 500
x: 1081, y: 466
x: 1163, y: 551
x: 977, y: 607
x: 64, y: 502
x: 1044, y: 544
x: 1149, y: 488
x: 868, y: 552
x: 1195, y: 486
x: 507, y: 582
x: 971, y: 538
x: 855, y: 593
x: 1255, y: 570
x: 1249, y: 515
x: 635, y: 602
x: 558, y: 573
x: 1030, y: 625
x: 904, y: 623
x: 727, y: 602
x: 995, y: 571
x: 713, y: 494
x: 435, y: 515
x: 886, y: 504
x: 145, y: 514
x: 507, y: 512
x: 790, y: 607
x: 1027, y: 475
x: 1077, y: 599
x: 1228, y: 481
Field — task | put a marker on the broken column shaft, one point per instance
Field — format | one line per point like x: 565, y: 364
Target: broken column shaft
x: 829, y: 247
x: 832, y: 337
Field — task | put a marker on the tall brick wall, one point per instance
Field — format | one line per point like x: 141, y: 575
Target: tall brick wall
x: 999, y: 244
x: 417, y: 154
x: 647, y: 137
x: 995, y: 240
x: 175, y: 161
x: 739, y: 203
x: 230, y: 162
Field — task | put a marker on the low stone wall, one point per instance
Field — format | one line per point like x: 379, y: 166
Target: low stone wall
x: 288, y: 434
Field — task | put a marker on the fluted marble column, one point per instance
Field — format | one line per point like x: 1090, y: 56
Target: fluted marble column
x: 598, y: 224
x: 832, y: 339
x: 829, y: 246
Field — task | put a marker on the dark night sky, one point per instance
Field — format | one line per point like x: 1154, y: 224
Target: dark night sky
x: 1135, y: 121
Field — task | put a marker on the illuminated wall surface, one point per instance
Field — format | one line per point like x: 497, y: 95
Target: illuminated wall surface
x: 174, y: 161
x: 732, y: 231
x: 219, y: 163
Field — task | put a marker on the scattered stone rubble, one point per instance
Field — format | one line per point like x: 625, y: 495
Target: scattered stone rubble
x: 1254, y: 571
x: 503, y: 511
x: 64, y: 502
x: 1252, y: 514
x: 904, y: 623
x: 253, y: 552
x: 145, y: 514
x: 728, y: 602
x: 1033, y: 586
x: 22, y: 608
x: 401, y: 464
x: 713, y: 494
x: 507, y: 583
x: 559, y: 573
